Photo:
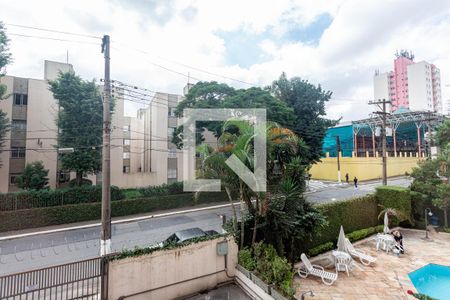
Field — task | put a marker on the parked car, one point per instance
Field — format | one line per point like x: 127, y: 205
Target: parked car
x: 186, y: 235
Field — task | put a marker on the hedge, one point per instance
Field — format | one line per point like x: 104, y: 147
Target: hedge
x: 353, y: 214
x: 56, y: 215
x: 162, y: 190
x: 47, y: 197
x: 353, y: 237
x: 394, y: 197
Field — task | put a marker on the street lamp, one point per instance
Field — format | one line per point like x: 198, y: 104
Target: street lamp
x: 305, y: 293
x: 427, y: 213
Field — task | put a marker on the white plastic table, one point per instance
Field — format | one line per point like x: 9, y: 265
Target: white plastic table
x: 343, y: 261
x: 385, y: 242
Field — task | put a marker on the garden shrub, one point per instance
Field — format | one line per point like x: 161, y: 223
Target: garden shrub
x: 47, y: 197
x: 320, y: 249
x: 363, y: 233
x: 162, y: 190
x: 246, y: 260
x: 395, y: 197
x: 273, y: 269
x: 353, y: 214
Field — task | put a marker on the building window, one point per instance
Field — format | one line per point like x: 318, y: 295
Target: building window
x: 126, y: 155
x: 20, y: 99
x: 126, y: 128
x: 172, y: 111
x: 12, y: 179
x: 19, y: 125
x: 126, y: 142
x: 172, y: 173
x: 172, y: 153
x: 126, y: 169
x: 170, y: 131
x: 18, y: 152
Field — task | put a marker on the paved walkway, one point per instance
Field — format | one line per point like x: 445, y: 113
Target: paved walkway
x: 388, y: 278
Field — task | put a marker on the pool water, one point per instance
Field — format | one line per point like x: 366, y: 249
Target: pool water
x: 432, y: 280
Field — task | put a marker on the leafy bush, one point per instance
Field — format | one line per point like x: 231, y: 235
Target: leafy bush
x: 162, y: 190
x: 320, y: 249
x: 396, y: 198
x: 33, y: 177
x: 353, y: 214
x: 419, y: 202
x: 139, y: 251
x: 273, y: 269
x: 84, y: 181
x: 245, y: 259
x: 363, y: 233
x: 47, y: 198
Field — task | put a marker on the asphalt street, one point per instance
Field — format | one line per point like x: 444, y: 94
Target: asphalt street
x: 53, y: 248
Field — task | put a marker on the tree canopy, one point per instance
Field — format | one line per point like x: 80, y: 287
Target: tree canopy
x: 308, y: 102
x: 80, y: 122
x: 219, y: 95
x: 33, y: 177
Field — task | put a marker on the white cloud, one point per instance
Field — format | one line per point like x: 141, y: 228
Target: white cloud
x: 360, y: 39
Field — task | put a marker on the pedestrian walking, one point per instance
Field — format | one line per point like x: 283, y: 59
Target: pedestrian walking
x: 346, y: 178
x: 355, y: 180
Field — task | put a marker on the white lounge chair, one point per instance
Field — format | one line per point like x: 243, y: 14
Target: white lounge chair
x: 364, y: 258
x: 327, y: 277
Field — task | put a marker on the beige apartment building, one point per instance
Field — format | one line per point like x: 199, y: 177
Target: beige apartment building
x: 141, y: 151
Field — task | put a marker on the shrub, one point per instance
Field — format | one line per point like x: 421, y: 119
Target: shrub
x: 162, y: 190
x: 273, y: 269
x: 397, y: 198
x: 246, y: 260
x: 363, y: 233
x: 320, y: 249
x: 84, y: 181
x: 419, y: 202
x: 353, y: 214
x: 33, y: 177
x: 46, y: 198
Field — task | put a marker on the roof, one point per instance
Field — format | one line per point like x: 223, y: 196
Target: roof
x: 189, y: 233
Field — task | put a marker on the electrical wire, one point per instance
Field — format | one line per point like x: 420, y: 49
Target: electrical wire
x: 52, y: 30
x: 53, y: 39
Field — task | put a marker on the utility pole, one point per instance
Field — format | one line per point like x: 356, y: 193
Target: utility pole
x: 338, y: 153
x: 384, y: 115
x: 105, y: 242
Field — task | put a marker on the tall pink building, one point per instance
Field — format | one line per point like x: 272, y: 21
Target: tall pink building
x: 411, y: 86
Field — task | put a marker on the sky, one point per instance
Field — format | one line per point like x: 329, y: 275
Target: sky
x: 160, y: 45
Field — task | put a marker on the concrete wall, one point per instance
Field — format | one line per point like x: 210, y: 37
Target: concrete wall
x: 420, y: 86
x: 364, y: 168
x: 162, y: 268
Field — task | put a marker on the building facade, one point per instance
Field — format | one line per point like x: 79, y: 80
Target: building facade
x: 410, y: 86
x: 141, y: 150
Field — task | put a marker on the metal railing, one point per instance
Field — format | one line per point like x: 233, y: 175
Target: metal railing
x: 77, y: 280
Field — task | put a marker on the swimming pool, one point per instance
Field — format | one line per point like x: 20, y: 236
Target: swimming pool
x: 432, y: 280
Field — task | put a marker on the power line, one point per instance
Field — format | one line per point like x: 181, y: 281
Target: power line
x: 185, y: 65
x: 53, y: 39
x: 54, y: 31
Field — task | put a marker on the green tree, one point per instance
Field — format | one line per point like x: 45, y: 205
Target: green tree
x: 5, y: 59
x: 425, y: 178
x: 216, y: 95
x: 308, y: 102
x: 80, y: 122
x: 33, y: 177
x: 443, y: 134
x: 443, y: 200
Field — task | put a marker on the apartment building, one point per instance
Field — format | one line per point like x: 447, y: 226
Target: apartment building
x: 32, y: 111
x: 149, y: 157
x: 142, y: 153
x: 410, y: 86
